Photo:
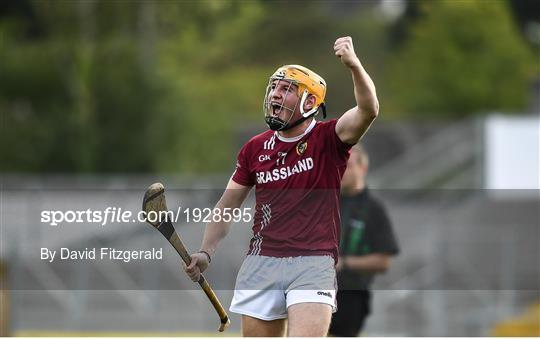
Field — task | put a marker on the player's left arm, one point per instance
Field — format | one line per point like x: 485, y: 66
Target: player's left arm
x: 354, y: 123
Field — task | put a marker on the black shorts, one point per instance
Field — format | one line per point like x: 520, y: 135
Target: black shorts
x: 353, y: 308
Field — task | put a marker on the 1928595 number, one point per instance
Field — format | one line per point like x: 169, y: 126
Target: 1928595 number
x: 218, y: 214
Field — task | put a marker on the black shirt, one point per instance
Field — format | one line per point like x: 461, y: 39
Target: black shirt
x: 365, y: 229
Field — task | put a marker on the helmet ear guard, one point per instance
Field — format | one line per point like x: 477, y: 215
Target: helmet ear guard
x: 302, y: 101
x: 314, y: 110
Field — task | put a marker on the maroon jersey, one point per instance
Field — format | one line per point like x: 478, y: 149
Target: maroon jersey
x: 297, y: 183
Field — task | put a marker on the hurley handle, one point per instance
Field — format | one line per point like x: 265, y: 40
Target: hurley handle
x: 181, y: 249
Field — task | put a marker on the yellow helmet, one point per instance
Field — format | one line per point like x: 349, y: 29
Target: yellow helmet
x: 308, y: 82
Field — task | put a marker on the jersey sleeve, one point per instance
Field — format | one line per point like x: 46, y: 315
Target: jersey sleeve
x: 242, y: 174
x: 338, y: 148
x: 382, y: 239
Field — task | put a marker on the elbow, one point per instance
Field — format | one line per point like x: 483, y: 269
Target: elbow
x: 373, y: 111
x: 370, y: 111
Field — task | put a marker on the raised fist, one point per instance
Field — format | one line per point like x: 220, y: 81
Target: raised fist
x: 343, y: 47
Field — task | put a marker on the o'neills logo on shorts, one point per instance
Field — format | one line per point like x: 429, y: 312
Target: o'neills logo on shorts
x: 284, y: 172
x: 326, y: 294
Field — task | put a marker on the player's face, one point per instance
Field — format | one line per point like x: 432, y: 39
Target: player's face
x: 283, y: 98
x: 353, y: 172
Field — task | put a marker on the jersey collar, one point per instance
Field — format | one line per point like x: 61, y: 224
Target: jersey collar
x: 298, y: 137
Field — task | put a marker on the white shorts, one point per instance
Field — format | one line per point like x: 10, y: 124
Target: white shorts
x: 267, y: 286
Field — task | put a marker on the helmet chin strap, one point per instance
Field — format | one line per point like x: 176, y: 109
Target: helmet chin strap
x: 294, y: 124
x: 276, y: 124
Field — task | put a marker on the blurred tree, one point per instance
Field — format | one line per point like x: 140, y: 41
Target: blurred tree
x: 100, y: 86
x: 211, y: 90
x: 74, y: 97
x: 111, y: 86
x: 460, y: 58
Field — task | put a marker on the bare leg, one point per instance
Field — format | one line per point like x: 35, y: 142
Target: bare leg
x: 309, y: 320
x: 253, y: 327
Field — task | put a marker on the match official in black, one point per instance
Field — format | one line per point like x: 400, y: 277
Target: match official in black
x: 366, y: 246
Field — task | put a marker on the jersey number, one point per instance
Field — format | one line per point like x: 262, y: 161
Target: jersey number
x: 281, y: 158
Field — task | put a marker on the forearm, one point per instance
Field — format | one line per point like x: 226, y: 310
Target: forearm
x: 213, y: 234
x: 232, y: 198
x: 215, y: 231
x: 364, y: 91
x: 367, y: 263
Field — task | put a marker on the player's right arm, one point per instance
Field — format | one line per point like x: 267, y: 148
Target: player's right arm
x: 232, y: 198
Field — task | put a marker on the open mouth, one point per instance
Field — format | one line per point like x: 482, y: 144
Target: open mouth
x: 276, y: 108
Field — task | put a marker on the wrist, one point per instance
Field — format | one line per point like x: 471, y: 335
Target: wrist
x: 207, y: 255
x: 355, y: 66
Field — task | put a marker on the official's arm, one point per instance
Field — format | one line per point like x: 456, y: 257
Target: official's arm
x: 376, y: 262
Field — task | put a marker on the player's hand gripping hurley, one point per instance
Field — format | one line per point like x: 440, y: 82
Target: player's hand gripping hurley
x: 154, y: 200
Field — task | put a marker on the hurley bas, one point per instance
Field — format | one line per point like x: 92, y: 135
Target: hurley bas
x: 103, y: 253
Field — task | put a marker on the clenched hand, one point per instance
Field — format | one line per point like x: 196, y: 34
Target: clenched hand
x: 344, y: 49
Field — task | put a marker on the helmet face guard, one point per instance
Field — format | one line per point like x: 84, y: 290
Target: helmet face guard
x: 306, y: 83
x: 272, y: 109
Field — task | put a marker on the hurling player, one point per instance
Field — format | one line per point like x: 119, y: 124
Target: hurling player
x: 296, y: 168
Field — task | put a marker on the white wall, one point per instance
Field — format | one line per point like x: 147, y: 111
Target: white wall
x: 512, y: 154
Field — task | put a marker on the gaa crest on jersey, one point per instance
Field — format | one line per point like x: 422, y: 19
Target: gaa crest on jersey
x: 301, y: 147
